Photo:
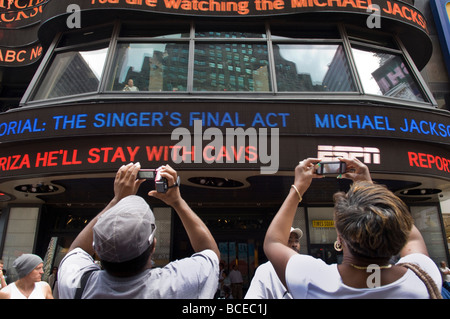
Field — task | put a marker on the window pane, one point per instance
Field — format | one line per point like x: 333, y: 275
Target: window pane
x: 71, y: 73
x: 427, y: 220
x: 386, y: 74
x: 153, y: 67
x: 305, y: 67
x: 231, y: 67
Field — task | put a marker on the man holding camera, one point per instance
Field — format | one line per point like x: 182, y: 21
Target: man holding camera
x: 123, y: 236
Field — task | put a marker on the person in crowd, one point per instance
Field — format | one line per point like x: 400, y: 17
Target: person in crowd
x: 236, y: 281
x: 123, y: 237
x: 265, y: 283
x: 52, y: 280
x: 294, y: 239
x: 3, y: 283
x: 130, y: 87
x: 30, y: 269
x: 445, y: 272
x: 372, y: 225
x: 221, y: 278
x: 227, y: 292
x: 225, y: 285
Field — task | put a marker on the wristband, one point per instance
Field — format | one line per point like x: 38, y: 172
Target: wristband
x: 177, y: 183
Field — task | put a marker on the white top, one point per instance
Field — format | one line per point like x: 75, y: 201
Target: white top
x: 308, y: 277
x: 236, y: 277
x: 266, y: 284
x: 445, y: 277
x: 37, y: 293
x: 194, y: 277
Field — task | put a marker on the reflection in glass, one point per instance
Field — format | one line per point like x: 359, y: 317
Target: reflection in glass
x: 223, y: 57
x: 304, y: 67
x: 152, y: 67
x: 385, y: 74
x: 72, y: 73
x: 231, y: 67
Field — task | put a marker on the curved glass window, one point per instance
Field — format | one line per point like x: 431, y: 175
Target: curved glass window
x: 276, y: 58
x: 72, y: 73
x: 310, y: 67
x: 153, y: 67
x: 386, y: 74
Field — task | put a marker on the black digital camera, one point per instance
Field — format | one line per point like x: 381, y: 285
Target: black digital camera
x: 161, y: 185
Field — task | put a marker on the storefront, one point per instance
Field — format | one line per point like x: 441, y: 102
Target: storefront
x: 232, y: 94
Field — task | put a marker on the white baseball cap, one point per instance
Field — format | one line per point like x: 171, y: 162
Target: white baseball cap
x: 297, y: 231
x: 125, y: 230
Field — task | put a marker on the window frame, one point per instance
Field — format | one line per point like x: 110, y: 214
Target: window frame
x: 274, y: 94
x: 58, y: 54
x: 371, y: 47
x: 51, y: 53
x: 318, y: 43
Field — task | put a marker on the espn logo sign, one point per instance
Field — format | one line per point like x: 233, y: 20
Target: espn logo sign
x: 368, y: 155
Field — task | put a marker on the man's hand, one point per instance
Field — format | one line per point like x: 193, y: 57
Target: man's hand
x: 172, y: 196
x: 126, y: 182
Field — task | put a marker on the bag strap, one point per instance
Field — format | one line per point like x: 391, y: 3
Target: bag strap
x: 432, y: 288
x: 82, y: 285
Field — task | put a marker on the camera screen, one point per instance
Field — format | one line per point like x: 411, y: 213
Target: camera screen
x: 331, y: 168
x: 146, y: 174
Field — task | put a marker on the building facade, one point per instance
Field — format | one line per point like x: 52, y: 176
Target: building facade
x: 232, y: 94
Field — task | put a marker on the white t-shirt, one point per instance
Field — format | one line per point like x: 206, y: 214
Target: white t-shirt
x: 235, y: 277
x: 312, y: 278
x: 445, y: 277
x: 193, y: 277
x: 266, y: 284
x: 37, y: 293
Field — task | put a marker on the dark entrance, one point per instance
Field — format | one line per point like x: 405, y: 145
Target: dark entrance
x: 239, y: 233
